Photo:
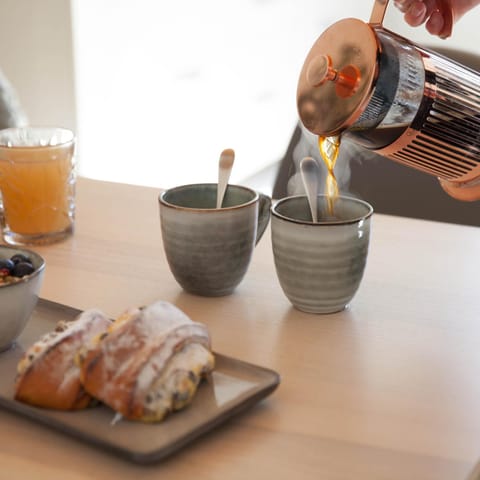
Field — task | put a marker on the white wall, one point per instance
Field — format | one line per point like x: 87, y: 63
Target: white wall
x: 36, y: 56
x: 163, y: 87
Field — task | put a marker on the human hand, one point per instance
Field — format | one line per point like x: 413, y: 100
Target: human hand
x: 438, y: 15
x: 467, y: 192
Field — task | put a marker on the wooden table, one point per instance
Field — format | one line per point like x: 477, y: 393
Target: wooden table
x: 387, y: 389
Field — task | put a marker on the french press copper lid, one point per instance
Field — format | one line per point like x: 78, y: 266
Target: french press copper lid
x: 340, y: 72
x: 337, y: 77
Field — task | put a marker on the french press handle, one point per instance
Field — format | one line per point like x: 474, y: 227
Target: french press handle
x: 444, y: 7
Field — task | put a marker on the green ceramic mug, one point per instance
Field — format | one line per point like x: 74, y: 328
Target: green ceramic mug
x: 320, y: 265
x: 209, y: 249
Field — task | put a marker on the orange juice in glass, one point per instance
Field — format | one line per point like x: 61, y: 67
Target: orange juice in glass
x: 37, y: 184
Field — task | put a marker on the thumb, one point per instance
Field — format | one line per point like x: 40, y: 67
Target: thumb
x: 462, y: 191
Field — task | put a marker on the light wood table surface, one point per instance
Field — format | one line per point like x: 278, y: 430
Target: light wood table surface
x: 387, y: 389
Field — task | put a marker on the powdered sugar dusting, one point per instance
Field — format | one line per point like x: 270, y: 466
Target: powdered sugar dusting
x: 176, y: 380
x: 135, y: 352
x: 164, y: 351
x: 96, y: 318
x: 162, y: 314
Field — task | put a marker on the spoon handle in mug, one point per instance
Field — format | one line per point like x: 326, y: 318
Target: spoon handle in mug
x: 264, y: 205
x: 225, y: 166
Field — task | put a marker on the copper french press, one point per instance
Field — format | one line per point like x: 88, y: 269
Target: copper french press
x: 402, y: 101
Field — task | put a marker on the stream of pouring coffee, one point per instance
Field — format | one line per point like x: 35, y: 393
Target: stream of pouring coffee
x: 329, y: 148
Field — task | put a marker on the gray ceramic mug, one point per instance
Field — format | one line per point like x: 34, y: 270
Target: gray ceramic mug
x: 209, y: 249
x: 320, y: 265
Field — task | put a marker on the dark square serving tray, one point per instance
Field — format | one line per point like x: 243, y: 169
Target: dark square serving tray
x: 233, y: 387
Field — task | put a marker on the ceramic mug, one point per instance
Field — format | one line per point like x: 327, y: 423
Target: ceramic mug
x: 209, y: 249
x: 320, y: 265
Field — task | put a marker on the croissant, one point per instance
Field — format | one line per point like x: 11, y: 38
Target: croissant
x: 48, y: 375
x: 149, y: 363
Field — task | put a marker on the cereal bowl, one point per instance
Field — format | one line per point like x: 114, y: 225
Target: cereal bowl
x: 19, y: 291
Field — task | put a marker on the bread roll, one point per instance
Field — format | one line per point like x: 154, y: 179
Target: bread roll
x: 48, y: 374
x: 150, y: 362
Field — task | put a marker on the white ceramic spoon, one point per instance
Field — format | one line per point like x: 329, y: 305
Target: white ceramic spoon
x: 225, y: 165
x: 310, y: 175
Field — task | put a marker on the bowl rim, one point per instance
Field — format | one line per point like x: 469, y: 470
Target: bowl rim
x: 29, y: 253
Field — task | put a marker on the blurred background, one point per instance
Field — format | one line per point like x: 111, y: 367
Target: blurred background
x: 155, y: 89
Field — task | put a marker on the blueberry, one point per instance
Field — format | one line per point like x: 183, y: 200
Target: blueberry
x: 22, y: 268
x: 6, y: 264
x: 19, y: 257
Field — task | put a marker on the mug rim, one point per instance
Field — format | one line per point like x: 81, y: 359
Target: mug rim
x: 350, y: 221
x: 162, y: 201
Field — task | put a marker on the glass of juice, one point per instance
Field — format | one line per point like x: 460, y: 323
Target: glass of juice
x: 37, y: 185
